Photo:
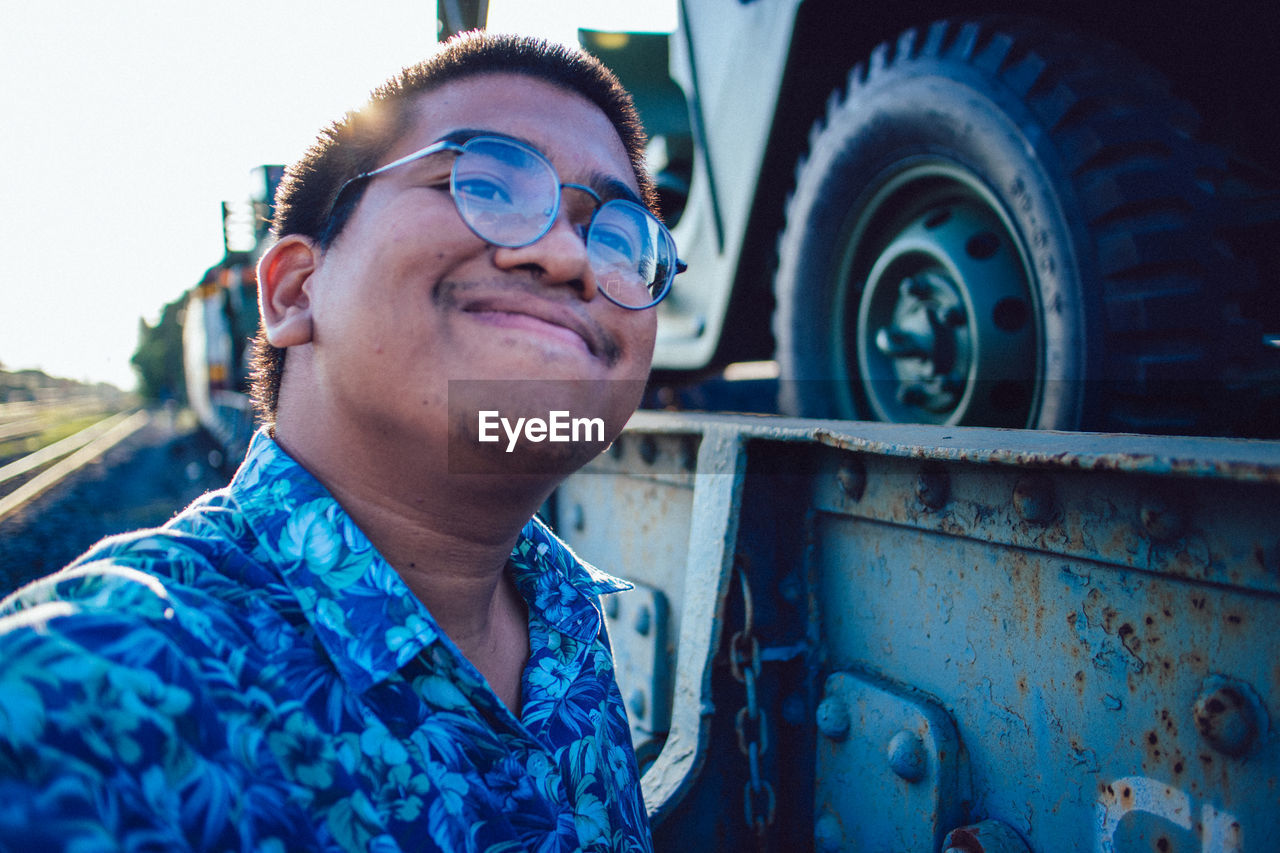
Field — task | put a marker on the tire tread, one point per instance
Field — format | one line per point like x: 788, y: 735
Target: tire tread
x: 1146, y: 190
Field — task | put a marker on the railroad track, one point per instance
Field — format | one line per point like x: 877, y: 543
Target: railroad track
x: 30, y: 476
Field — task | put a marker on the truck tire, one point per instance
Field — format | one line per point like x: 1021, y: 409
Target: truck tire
x: 1002, y: 224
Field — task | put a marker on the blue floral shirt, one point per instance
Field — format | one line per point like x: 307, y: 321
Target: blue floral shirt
x: 255, y: 676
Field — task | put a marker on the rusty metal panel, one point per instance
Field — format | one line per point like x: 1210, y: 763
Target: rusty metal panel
x: 1092, y: 616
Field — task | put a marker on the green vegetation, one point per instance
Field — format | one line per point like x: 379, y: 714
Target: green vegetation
x: 55, y: 431
x: 158, y: 358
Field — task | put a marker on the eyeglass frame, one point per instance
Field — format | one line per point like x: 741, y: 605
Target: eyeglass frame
x: 461, y: 147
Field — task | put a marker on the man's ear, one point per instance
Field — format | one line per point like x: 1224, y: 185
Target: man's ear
x: 284, y: 294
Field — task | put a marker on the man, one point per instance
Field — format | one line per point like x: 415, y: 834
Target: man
x: 365, y: 642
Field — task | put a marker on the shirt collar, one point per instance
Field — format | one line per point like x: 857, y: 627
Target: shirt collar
x: 364, y: 615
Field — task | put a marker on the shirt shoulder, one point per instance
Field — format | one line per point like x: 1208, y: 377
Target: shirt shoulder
x: 128, y: 701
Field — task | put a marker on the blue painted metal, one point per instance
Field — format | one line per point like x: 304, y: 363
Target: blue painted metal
x: 902, y: 755
x: 1092, y: 615
x: 638, y: 628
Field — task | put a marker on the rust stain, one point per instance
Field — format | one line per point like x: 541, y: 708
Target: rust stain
x: 1170, y: 723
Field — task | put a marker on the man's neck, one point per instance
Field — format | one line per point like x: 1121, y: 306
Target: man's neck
x: 448, y: 536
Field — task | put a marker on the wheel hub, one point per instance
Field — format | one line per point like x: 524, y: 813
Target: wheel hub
x: 946, y: 302
x: 927, y: 340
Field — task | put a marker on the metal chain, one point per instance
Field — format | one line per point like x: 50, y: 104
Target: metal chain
x: 759, y: 802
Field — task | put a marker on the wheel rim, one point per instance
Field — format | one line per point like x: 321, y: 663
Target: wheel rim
x: 937, y: 318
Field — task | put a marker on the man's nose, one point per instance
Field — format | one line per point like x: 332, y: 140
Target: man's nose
x: 559, y: 257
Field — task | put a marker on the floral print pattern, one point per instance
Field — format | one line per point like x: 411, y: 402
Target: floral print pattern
x: 255, y: 676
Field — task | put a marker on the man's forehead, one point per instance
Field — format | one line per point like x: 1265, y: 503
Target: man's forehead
x: 570, y: 130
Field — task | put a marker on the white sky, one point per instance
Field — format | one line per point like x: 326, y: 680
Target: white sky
x: 126, y: 123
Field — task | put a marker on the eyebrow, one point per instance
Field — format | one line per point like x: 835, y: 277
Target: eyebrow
x: 606, y: 186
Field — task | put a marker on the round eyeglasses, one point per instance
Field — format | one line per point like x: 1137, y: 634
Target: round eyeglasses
x: 509, y: 195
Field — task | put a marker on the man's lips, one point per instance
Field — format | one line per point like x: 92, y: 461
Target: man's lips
x: 541, y: 317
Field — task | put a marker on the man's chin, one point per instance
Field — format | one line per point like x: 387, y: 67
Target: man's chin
x: 542, y: 461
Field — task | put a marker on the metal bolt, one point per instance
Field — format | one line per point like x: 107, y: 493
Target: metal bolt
x: 1227, y: 717
x: 1033, y: 498
x: 648, y: 449
x: 918, y: 288
x: 826, y: 833
x: 644, y: 620
x: 933, y: 488
x: 1160, y: 519
x: 833, y: 718
x: 689, y: 453
x: 852, y: 478
x: 906, y: 755
x: 896, y: 342
x: 637, y: 702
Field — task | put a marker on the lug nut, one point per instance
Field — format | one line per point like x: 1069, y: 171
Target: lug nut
x: 916, y: 288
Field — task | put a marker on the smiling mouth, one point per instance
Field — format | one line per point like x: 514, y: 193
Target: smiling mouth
x: 532, y: 323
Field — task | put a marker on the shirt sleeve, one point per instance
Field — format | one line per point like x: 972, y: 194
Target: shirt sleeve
x: 109, y: 741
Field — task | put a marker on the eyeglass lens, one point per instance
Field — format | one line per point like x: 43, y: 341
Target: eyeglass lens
x: 509, y: 195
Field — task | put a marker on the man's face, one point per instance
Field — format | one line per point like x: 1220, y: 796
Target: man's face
x: 407, y: 298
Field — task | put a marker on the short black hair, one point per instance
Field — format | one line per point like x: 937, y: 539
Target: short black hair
x: 356, y: 143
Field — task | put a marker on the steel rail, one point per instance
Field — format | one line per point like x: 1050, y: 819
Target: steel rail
x: 103, y: 436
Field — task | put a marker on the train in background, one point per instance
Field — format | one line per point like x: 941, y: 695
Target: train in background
x: 221, y: 318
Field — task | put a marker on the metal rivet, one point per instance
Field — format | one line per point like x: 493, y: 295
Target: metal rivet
x: 827, y: 834
x: 689, y: 453
x: 1160, y: 519
x: 833, y: 718
x: 1227, y: 717
x: 852, y: 478
x: 637, y: 703
x: 1033, y: 498
x: 933, y: 488
x: 906, y: 755
x: 644, y: 620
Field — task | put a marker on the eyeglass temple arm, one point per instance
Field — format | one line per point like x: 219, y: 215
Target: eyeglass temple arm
x: 442, y: 145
